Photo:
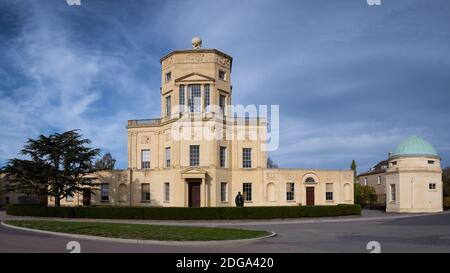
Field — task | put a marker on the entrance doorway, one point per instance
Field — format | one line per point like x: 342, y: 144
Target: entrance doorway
x: 194, y: 194
x: 86, y: 197
x: 310, y: 196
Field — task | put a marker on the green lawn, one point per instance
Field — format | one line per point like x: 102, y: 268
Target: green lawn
x: 143, y: 232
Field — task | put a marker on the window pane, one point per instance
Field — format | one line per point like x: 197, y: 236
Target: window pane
x: 167, y: 157
x: 246, y: 157
x: 168, y: 106
x: 194, y: 98
x: 181, y: 97
x: 145, y: 159
x: 222, y: 103
x: 329, y: 192
x: 223, y: 156
x: 145, y: 192
x: 166, y: 192
x: 290, y: 191
x: 247, y: 191
x: 223, y: 192
x: 104, y: 192
x: 206, y: 97
x: 194, y: 155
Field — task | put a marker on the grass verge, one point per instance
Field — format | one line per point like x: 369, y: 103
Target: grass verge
x: 142, y: 231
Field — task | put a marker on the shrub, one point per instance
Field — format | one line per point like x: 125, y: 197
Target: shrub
x: 176, y: 213
x: 446, y: 202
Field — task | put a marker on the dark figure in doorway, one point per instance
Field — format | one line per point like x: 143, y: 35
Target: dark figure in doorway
x: 239, y: 200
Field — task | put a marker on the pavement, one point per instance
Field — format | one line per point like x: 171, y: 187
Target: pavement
x: 394, y: 232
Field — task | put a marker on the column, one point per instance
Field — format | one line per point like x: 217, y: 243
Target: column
x: 203, y: 193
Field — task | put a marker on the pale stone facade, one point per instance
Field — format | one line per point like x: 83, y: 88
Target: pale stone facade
x: 197, y: 170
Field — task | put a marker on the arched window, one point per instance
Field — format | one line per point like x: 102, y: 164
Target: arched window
x: 310, y: 180
x: 122, y: 193
x: 347, y: 192
x: 271, y: 197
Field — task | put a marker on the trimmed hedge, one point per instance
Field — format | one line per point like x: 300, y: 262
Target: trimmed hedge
x: 158, y: 213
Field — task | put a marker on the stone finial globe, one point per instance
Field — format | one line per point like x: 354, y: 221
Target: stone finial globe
x: 196, y: 42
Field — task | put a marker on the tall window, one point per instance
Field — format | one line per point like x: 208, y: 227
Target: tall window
x: 247, y: 191
x: 223, y: 192
x: 104, y: 192
x: 290, y: 191
x: 167, y: 157
x: 195, y: 95
x: 145, y: 192
x: 246, y: 158
x: 194, y: 155
x: 168, y: 106
x: 223, y: 157
x: 393, y: 193
x: 206, y: 97
x: 168, y: 76
x: 145, y: 159
x: 329, y: 192
x: 166, y: 192
x: 222, y: 103
x: 181, y: 98
x: 379, y: 180
x: 365, y: 181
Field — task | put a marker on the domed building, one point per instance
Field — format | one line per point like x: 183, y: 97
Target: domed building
x: 410, y: 180
x: 414, y: 178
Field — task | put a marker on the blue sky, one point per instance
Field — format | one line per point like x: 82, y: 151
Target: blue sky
x: 352, y: 80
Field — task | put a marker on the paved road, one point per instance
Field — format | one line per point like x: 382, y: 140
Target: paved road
x: 418, y: 233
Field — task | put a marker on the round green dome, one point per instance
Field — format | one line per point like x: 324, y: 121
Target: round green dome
x: 414, y: 146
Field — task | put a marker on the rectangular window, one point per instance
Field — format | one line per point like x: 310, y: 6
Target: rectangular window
x: 168, y: 76
x: 432, y: 186
x: 194, y: 155
x: 181, y: 97
x: 379, y: 180
x: 290, y: 191
x: 167, y: 157
x: 223, y: 192
x: 167, y: 192
x: 104, y: 192
x: 194, y: 98
x: 222, y: 103
x: 206, y: 97
x: 365, y: 181
x: 247, y: 192
x: 69, y: 197
x: 329, y: 192
x: 145, y: 192
x: 246, y: 158
x: 222, y: 75
x: 168, y: 106
x: 223, y: 157
x: 145, y: 159
x: 431, y: 162
x: 393, y: 193
x: 394, y: 163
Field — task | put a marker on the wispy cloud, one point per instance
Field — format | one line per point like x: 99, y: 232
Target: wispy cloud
x: 351, y: 80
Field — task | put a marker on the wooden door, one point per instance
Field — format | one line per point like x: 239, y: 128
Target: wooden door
x: 310, y: 196
x: 86, y: 197
x: 194, y: 194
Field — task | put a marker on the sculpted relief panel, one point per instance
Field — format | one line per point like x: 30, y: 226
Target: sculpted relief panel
x: 195, y: 58
x: 223, y: 61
